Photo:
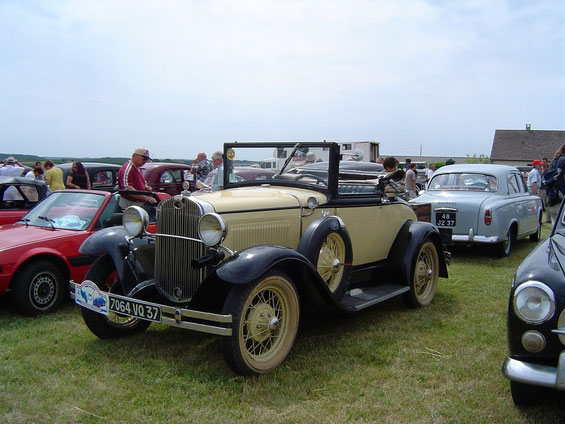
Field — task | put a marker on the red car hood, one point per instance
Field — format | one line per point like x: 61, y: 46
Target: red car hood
x: 15, y: 235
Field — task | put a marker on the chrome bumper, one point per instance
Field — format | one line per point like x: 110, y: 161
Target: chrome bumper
x: 470, y: 238
x: 180, y: 317
x: 536, y: 374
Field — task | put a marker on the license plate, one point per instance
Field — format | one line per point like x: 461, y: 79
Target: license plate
x: 135, y: 308
x: 445, y: 219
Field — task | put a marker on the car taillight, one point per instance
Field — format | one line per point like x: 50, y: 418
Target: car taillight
x: 488, y: 217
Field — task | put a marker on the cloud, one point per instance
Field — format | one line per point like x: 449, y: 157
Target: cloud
x: 104, y: 76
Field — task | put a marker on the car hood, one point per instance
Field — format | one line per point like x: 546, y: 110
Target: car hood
x: 16, y: 235
x: 260, y: 198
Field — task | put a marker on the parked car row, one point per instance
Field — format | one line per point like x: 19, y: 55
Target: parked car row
x: 247, y: 261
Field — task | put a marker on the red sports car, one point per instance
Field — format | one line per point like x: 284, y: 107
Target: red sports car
x: 39, y: 253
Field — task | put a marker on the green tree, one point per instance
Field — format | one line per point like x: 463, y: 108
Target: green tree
x: 482, y: 158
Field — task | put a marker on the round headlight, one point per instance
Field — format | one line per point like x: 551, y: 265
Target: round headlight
x: 135, y: 220
x: 534, y: 302
x: 212, y: 229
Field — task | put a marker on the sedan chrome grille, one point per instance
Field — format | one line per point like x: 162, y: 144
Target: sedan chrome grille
x: 174, y: 275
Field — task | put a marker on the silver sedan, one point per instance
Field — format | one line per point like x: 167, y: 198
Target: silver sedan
x: 483, y: 203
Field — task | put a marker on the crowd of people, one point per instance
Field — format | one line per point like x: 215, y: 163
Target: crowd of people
x: 47, y: 172
x: 131, y: 178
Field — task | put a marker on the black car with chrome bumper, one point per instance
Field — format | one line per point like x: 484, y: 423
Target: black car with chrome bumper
x: 536, y: 322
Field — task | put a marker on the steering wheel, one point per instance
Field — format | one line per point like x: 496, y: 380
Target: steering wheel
x: 315, y: 177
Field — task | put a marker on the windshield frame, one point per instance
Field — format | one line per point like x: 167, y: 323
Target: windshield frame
x: 333, y: 161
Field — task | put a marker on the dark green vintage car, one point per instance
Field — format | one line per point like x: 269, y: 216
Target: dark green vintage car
x: 244, y: 261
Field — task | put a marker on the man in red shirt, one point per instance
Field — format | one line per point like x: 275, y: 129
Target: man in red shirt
x: 131, y: 178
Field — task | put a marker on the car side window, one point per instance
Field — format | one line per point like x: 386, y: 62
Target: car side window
x: 513, y: 186
x: 170, y: 176
x: 521, y: 183
x: 103, y: 178
x: 30, y: 192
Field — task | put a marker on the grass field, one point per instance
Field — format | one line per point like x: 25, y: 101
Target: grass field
x: 389, y: 364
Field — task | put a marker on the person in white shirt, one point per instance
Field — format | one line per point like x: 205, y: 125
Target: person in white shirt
x: 35, y: 174
x: 534, y: 178
x: 430, y: 171
x: 12, y: 168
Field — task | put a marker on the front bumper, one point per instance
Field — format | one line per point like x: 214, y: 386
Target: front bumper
x: 536, y: 374
x: 204, y: 322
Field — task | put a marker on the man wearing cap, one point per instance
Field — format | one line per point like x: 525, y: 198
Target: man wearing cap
x: 131, y: 178
x: 12, y: 168
x: 534, y: 178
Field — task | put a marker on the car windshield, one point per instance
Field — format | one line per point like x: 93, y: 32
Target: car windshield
x: 288, y: 163
x: 66, y: 210
x: 463, y: 182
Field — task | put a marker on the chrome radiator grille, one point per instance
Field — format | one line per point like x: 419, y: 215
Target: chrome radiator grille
x: 175, y: 277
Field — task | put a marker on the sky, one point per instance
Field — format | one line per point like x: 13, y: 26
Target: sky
x: 95, y: 78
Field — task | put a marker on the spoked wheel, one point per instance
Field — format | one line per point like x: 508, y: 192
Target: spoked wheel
x: 424, y: 277
x: 265, y: 321
x: 331, y: 262
x: 326, y: 244
x: 103, y: 273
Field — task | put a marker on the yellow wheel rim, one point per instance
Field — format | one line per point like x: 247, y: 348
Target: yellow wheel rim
x: 268, y: 322
x: 425, y: 275
x: 331, y: 260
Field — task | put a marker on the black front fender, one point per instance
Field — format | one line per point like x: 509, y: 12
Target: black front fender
x: 407, y: 244
x: 252, y: 263
x: 113, y: 242
x: 255, y: 261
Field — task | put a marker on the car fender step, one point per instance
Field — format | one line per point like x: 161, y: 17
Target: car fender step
x: 361, y: 298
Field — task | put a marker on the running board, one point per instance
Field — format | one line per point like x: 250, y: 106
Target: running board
x: 357, y: 299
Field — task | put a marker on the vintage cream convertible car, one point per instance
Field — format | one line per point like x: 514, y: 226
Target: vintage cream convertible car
x: 243, y: 262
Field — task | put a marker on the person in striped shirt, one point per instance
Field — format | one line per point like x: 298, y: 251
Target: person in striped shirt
x: 131, y: 178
